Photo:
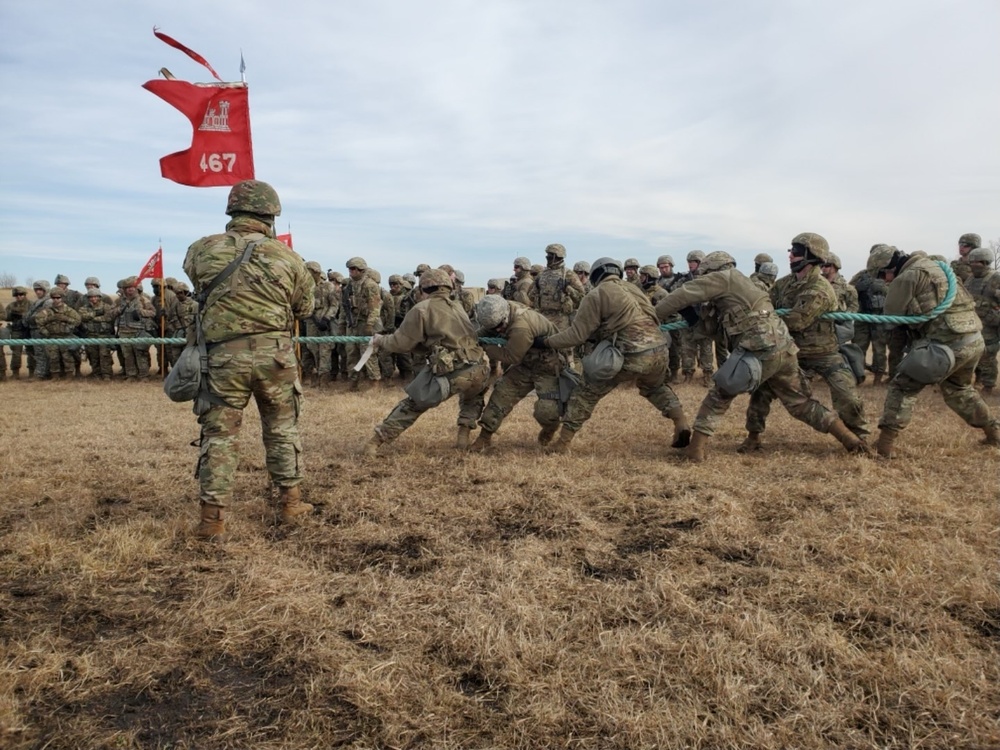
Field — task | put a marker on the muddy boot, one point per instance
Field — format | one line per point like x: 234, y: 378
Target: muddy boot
x: 462, y: 441
x: 848, y: 439
x: 877, y: 379
x: 561, y: 446
x: 483, y: 441
x: 291, y: 505
x: 546, y: 434
x: 706, y: 379
x: 212, y: 526
x: 992, y: 435
x: 674, y: 377
x: 682, y: 429
x: 370, y: 449
x: 696, y: 448
x: 886, y: 438
x: 751, y: 443
x: 314, y: 380
x: 688, y: 377
x: 356, y: 384
x: 987, y: 390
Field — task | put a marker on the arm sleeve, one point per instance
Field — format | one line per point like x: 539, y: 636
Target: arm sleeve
x: 587, y: 320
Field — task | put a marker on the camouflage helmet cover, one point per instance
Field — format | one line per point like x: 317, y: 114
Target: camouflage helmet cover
x: 834, y: 260
x: 492, y: 311
x: 981, y: 254
x: 664, y: 260
x: 171, y: 282
x: 435, y: 277
x: 128, y: 281
x: 651, y: 271
x: 41, y: 284
x: 717, y: 261
x: 374, y: 275
x: 581, y: 266
x: 495, y: 284
x: 61, y: 279
x: 95, y: 292
x: 970, y: 238
x: 253, y: 197
x: 695, y: 256
x: 556, y: 249
x: 314, y: 266
x: 536, y: 269
x: 92, y: 281
x: 19, y: 290
x: 631, y: 263
x: 411, y: 278
x: 760, y: 258
x: 880, y: 257
x: 447, y: 268
x: 459, y: 277
x: 182, y: 288
x: 814, y: 243
x: 395, y: 278
x: 769, y: 269
x: 603, y: 267
x: 523, y: 263
x: 422, y: 268
x: 357, y: 262
x: 57, y: 292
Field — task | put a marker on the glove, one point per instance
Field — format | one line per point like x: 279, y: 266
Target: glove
x: 323, y: 325
x: 135, y: 316
x: 376, y: 341
x: 690, y: 314
x: 539, y: 343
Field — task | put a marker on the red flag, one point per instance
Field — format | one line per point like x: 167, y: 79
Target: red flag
x: 287, y: 239
x: 221, y: 150
x: 153, y: 268
x: 187, y: 51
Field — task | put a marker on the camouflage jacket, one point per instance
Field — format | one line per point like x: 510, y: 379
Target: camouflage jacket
x: 806, y: 299
x: 98, y: 321
x: 437, y: 324
x: 741, y: 308
x: 985, y: 291
x: 847, y: 295
x: 35, y: 307
x: 655, y: 294
x: 186, y: 311
x: 918, y: 288
x: 361, y: 305
x: 55, y: 322
x: 132, y: 315
x: 762, y: 282
x: 15, y: 313
x: 962, y: 269
x: 520, y: 290
x: 327, y: 303
x: 400, y: 306
x: 168, y: 310
x: 264, y: 295
x: 614, y: 309
x: 871, y: 292
x: 523, y: 327
x: 671, y: 282
x: 556, y: 293
x: 387, y: 315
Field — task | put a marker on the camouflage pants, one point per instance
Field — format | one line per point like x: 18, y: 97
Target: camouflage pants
x: 876, y: 336
x: 38, y: 361
x: 781, y: 379
x: 316, y: 358
x: 646, y: 369
x: 60, y: 360
x: 262, y: 366
x: 986, y: 370
x: 696, y: 347
x: 674, y: 355
x: 371, y: 369
x: 956, y: 390
x: 516, y: 383
x: 99, y: 357
x: 843, y: 391
x: 16, y: 356
x: 135, y: 359
x: 469, y: 383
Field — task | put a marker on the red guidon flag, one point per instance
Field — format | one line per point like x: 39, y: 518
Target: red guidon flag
x: 221, y: 151
x: 153, y: 268
x: 287, y: 239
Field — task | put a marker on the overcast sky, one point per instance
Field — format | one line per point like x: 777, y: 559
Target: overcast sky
x: 474, y: 132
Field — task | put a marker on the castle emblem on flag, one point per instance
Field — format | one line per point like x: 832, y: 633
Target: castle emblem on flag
x: 217, y: 121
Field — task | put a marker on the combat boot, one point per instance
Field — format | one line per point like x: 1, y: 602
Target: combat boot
x: 212, y: 526
x: 848, y: 439
x: 688, y: 377
x: 462, y: 441
x: 561, y: 446
x: 370, y: 449
x: 886, y: 438
x: 987, y: 390
x: 682, y: 429
x: 483, y: 441
x: 751, y: 443
x: 291, y: 505
x: 706, y: 379
x: 992, y: 435
x: 696, y: 448
x: 546, y: 434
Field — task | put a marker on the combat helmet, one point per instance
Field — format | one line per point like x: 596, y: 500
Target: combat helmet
x: 523, y: 263
x: 651, y: 271
x: 605, y: 267
x: 536, y: 269
x: 695, y: 256
x: 818, y: 248
x: 61, y: 279
x: 833, y: 260
x: 253, y: 197
x: 981, y: 254
x: 761, y: 258
x: 556, y: 249
x: 492, y: 311
x: 880, y: 258
x: 314, y: 266
x: 57, y: 292
x: 374, y: 275
x: 459, y: 277
x: 769, y: 269
x: 182, y: 288
x: 970, y: 238
x: 128, y: 281
x: 719, y: 260
x: 435, y: 277
x: 19, y: 290
x: 581, y: 266
x: 94, y: 292
x: 41, y: 284
x: 665, y: 259
x: 358, y: 263
x: 92, y: 281
x: 631, y: 263
x: 422, y: 268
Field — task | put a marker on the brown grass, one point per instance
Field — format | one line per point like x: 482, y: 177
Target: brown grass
x: 616, y: 598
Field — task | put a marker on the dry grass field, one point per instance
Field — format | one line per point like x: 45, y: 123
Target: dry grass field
x: 616, y: 598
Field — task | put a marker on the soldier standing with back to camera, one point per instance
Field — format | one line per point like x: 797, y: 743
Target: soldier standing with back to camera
x: 871, y: 301
x: 247, y: 322
x: 984, y: 286
x: 917, y: 285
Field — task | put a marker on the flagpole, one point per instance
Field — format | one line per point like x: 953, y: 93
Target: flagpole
x: 163, y: 307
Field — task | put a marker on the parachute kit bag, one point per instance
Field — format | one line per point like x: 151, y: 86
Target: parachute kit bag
x: 427, y: 390
x: 928, y: 362
x: 854, y: 358
x: 740, y: 373
x: 602, y: 364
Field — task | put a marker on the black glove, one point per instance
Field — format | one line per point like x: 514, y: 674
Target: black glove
x: 135, y: 316
x: 323, y: 325
x: 690, y: 314
x: 539, y: 343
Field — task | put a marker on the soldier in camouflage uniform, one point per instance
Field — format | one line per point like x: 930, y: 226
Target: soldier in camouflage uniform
x: 808, y: 295
x: 338, y: 325
x: 632, y: 271
x: 247, y: 322
x: 520, y: 289
x: 131, y: 315
x: 166, y: 323
x: 439, y: 325
x: 765, y: 277
x: 38, y: 363
x: 362, y: 307
x: 649, y: 277
x: 59, y: 321
x: 617, y: 310
x: 387, y: 324
x: 916, y: 285
x: 582, y: 270
x: 317, y: 359
x: 496, y: 286
x: 187, y: 311
x: 696, y: 348
x: 73, y: 298
x: 14, y: 314
x: 97, y: 319
x: 669, y: 281
x: 525, y: 369
x: 557, y: 291
x: 93, y: 282
x: 966, y: 244
x: 748, y: 317
x: 847, y: 299
x: 399, y: 289
x: 871, y: 300
x: 984, y: 286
